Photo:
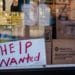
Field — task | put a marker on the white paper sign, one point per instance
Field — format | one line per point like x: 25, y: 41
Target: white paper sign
x: 22, y: 53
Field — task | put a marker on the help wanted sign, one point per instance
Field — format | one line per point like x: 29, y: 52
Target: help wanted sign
x: 22, y: 53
